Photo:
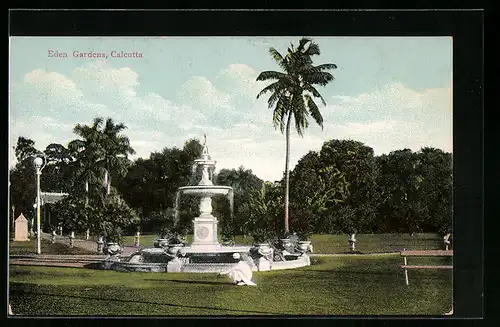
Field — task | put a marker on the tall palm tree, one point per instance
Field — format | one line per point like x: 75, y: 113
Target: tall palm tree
x: 87, y: 151
x: 100, y: 150
x: 116, y: 150
x: 293, y: 94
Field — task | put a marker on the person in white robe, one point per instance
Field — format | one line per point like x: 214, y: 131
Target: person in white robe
x: 241, y: 273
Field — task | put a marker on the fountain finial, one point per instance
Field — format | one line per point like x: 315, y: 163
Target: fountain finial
x: 204, y: 152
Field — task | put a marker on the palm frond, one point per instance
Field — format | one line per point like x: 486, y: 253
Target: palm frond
x: 270, y: 88
x: 300, y: 112
x: 312, y: 50
x: 326, y: 66
x: 280, y: 112
x: 273, y: 98
x: 321, y: 78
x: 302, y: 44
x: 308, y: 68
x: 314, y: 92
x: 98, y: 122
x: 270, y: 75
x: 314, y: 110
x: 278, y: 58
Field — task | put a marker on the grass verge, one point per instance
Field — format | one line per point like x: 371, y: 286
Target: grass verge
x: 348, y: 285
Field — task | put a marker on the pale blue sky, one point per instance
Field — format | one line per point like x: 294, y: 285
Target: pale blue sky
x: 389, y: 93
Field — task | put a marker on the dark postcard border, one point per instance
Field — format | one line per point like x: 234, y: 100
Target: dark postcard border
x: 466, y: 28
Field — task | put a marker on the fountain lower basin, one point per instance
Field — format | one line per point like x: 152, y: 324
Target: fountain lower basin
x: 205, y: 190
x: 193, y: 260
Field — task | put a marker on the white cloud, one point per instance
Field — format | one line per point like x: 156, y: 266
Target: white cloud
x: 200, y: 93
x: 393, y: 117
x: 240, y: 79
x: 239, y: 127
x: 43, y: 130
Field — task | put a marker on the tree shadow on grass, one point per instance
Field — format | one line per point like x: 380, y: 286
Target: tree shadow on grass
x: 141, y: 302
x: 94, y: 265
x: 189, y: 281
x: 353, y: 272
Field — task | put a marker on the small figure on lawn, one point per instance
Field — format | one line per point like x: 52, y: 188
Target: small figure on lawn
x: 241, y: 273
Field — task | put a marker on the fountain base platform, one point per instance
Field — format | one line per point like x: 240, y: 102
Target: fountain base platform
x: 200, y: 259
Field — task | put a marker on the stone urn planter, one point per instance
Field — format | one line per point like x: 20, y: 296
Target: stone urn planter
x: 264, y: 249
x: 352, y: 242
x: 160, y: 242
x: 287, y: 245
x: 112, y: 249
x: 305, y: 246
x: 172, y: 249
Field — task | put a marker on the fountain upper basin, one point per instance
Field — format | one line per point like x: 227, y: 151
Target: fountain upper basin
x: 209, y: 190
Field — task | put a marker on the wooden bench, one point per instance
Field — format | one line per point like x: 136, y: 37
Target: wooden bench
x: 427, y: 254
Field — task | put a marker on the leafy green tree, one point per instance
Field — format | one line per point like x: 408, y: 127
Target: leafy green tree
x: 162, y: 222
x: 151, y: 184
x: 57, y: 172
x: 111, y: 216
x: 25, y: 149
x: 356, y: 163
x: 22, y: 179
x: 243, y: 182
x: 71, y: 213
x: 316, y: 186
x: 293, y: 94
x: 435, y: 170
x: 402, y: 207
x: 265, y: 206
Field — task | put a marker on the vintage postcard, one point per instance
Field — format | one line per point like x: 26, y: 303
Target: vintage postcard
x: 230, y: 176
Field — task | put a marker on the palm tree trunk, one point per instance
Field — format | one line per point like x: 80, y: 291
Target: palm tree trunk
x: 287, y: 172
x: 86, y: 205
x: 107, y: 180
x: 108, y: 187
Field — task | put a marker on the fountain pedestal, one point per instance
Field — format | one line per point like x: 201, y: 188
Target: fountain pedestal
x: 205, y: 226
x: 205, y: 232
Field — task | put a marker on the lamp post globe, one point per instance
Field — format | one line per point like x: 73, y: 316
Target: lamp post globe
x: 38, y: 162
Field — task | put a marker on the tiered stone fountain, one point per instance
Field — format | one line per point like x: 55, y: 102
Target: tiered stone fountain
x: 205, y: 253
x: 205, y: 225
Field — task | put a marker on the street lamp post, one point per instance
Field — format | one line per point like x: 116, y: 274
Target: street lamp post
x: 38, y: 165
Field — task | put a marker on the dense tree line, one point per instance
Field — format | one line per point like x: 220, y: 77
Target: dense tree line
x: 402, y: 191
x: 342, y: 188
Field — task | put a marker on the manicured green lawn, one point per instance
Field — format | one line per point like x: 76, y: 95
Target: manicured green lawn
x: 347, y: 285
x: 366, y: 243
x: 372, y: 243
x: 29, y: 247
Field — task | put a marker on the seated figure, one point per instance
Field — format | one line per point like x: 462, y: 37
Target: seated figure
x: 241, y: 273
